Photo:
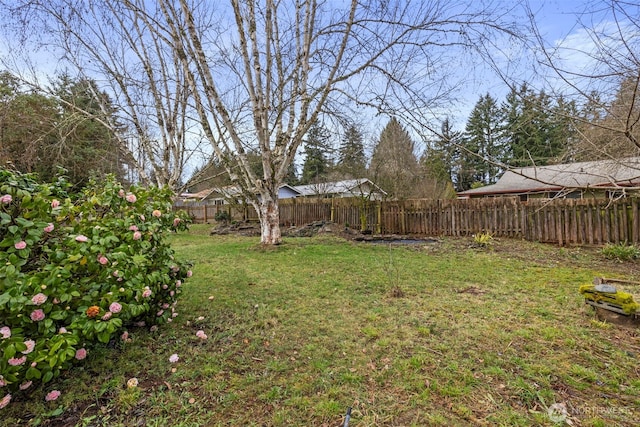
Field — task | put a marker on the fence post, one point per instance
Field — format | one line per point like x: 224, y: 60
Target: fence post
x: 379, y: 219
x: 332, y: 209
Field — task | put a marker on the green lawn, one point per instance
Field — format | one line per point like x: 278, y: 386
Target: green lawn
x: 438, y: 334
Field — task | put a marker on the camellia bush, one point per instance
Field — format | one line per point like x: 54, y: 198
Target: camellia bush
x: 78, y: 272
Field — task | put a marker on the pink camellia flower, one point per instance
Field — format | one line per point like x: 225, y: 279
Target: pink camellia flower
x: 6, y: 199
x: 124, y: 336
x: 107, y: 316
x: 171, y: 293
x: 200, y: 334
x: 189, y: 273
x: 176, y: 221
x: 174, y: 358
x: 142, y: 218
x: 115, y: 307
x: 31, y: 344
x: 165, y: 286
x: 34, y: 364
x: 81, y: 353
x: 17, y: 361
x: 131, y: 198
x: 178, y: 283
x: 62, y: 330
x: 103, y: 260
x: 156, y: 213
x: 121, y: 193
x: 133, y: 228
x: 39, y: 299
x: 52, y: 395
x: 56, y: 301
x: 146, y: 293
x: 81, y: 238
x: 37, y: 315
x: 5, y: 331
x: 174, y: 314
x: 26, y: 385
x: 137, y: 235
x: 2, y: 381
x: 165, y: 305
x: 160, y: 313
x: 49, y: 228
x: 20, y: 245
x: 5, y: 401
x: 55, y: 203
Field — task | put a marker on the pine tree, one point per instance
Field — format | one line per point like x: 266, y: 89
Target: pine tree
x: 529, y: 129
x: 351, y: 156
x: 439, y: 158
x: 316, y: 147
x: 394, y: 166
x: 484, y: 143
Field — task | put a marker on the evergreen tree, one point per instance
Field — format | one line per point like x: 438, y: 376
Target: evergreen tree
x: 439, y: 158
x: 529, y: 129
x: 483, y: 143
x: 41, y: 133
x: 394, y: 166
x: 87, y: 147
x: 437, y: 163
x: 351, y: 157
x: 316, y: 147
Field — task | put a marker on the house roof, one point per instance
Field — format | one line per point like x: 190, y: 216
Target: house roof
x: 601, y: 173
x: 350, y: 186
x: 225, y: 192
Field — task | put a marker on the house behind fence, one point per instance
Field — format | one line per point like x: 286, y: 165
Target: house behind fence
x: 561, y: 221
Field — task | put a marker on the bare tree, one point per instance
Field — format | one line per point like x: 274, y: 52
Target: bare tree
x: 279, y: 66
x: 602, y: 74
x: 259, y: 73
x: 109, y: 43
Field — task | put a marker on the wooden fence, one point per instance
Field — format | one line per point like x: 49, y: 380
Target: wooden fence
x: 561, y: 221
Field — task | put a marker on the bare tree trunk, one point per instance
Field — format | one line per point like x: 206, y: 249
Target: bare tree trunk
x: 269, y: 220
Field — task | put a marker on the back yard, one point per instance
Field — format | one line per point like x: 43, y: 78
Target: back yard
x: 433, y: 334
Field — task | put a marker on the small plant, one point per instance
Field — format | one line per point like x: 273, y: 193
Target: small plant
x: 222, y: 216
x: 482, y: 240
x: 621, y: 252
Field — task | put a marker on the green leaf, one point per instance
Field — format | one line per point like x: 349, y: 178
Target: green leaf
x: 4, y: 298
x: 4, y: 218
x: 48, y: 376
x: 24, y: 223
x: 55, y: 347
x: 103, y: 337
x: 33, y: 373
x: 9, y: 352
